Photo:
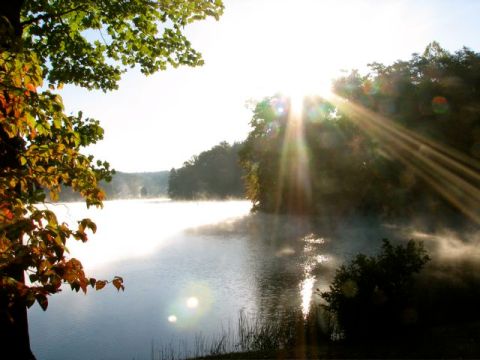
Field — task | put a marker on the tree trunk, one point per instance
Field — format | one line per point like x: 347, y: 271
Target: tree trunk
x: 11, y: 11
x: 14, y: 337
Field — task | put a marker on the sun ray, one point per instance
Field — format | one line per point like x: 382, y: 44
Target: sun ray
x: 452, y: 174
x: 294, y: 165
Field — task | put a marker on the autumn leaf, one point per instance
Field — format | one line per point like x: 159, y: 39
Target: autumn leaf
x: 31, y: 87
x: 118, y: 283
x: 100, y: 284
x: 8, y: 214
x: 83, y: 284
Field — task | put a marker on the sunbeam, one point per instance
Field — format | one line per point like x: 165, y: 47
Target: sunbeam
x: 294, y: 164
x: 453, y: 175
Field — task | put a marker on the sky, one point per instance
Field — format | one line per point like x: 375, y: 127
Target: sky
x: 259, y: 48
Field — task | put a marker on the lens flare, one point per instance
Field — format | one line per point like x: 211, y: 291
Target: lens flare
x: 279, y: 105
x: 440, y: 105
x: 192, y: 302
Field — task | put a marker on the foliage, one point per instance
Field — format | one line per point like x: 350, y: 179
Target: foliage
x: 252, y: 338
x: 214, y: 173
x: 351, y: 166
x: 90, y: 43
x: 371, y: 297
x: 31, y: 238
x: 435, y: 94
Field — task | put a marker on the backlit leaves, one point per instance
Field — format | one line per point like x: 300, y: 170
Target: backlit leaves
x: 79, y: 39
x: 48, y: 156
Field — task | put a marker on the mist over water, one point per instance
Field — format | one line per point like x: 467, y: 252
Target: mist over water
x: 145, y: 242
x: 191, y: 267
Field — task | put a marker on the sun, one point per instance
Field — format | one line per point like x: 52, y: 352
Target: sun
x: 301, y: 87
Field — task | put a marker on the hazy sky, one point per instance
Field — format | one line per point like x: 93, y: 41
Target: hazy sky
x: 258, y: 48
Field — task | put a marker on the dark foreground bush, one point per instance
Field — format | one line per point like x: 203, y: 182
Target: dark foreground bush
x: 371, y: 298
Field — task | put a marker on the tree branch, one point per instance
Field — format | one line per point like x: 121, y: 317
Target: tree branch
x: 50, y: 16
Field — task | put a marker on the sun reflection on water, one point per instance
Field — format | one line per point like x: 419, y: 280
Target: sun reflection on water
x: 312, y: 259
x: 306, y: 290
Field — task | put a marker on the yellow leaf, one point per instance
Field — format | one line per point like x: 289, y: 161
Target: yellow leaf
x: 54, y: 195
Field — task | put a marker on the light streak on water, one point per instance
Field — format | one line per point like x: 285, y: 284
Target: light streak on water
x: 306, y: 285
x: 306, y: 290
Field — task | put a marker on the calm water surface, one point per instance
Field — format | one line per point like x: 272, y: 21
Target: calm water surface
x: 189, y: 268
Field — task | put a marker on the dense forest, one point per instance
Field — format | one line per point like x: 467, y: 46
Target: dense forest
x: 128, y: 186
x: 215, y: 173
x: 400, y: 141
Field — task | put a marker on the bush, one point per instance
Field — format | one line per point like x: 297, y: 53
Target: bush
x: 371, y: 298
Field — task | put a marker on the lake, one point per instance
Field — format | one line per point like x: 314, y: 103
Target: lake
x: 189, y: 268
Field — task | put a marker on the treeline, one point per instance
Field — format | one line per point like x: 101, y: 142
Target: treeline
x: 400, y: 141
x: 128, y: 186
x: 215, y: 173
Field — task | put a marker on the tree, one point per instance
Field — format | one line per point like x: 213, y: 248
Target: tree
x: 215, y: 173
x: 87, y: 43
x: 311, y: 165
x: 90, y: 43
x: 371, y: 297
x: 402, y: 141
x: 428, y: 130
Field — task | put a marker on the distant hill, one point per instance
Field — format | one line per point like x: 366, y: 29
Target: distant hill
x: 129, y: 186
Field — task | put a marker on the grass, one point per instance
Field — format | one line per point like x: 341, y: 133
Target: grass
x: 251, y: 335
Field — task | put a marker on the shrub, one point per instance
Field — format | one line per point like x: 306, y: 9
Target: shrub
x: 371, y: 298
